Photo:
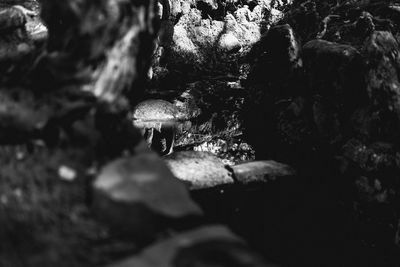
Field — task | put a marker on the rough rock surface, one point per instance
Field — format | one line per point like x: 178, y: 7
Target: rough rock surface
x: 382, y: 54
x: 334, y: 71
x: 207, y: 36
x: 339, y: 122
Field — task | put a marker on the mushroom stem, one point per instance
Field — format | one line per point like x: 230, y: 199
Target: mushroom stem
x: 169, y: 138
x: 149, y: 136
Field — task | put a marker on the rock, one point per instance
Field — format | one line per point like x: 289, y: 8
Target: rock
x: 200, y: 170
x: 382, y: 77
x: 293, y: 124
x: 335, y: 71
x: 374, y: 169
x: 140, y: 195
x: 282, y: 42
x: 327, y: 121
x: 372, y: 172
x: 203, y: 247
x: 260, y: 171
x: 277, y: 58
x: 272, y: 77
x: 371, y: 124
x: 212, y: 27
x: 158, y: 120
x: 228, y: 42
x: 36, y: 30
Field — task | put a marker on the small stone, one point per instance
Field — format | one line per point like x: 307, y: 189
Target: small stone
x: 20, y: 155
x: 67, y: 174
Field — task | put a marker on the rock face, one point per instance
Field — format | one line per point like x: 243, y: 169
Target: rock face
x: 335, y: 71
x: 339, y: 120
x: 206, y: 36
x: 372, y: 171
x: 382, y: 54
x: 199, y: 169
x: 140, y: 195
x: 198, y: 247
x: 279, y: 59
x: 273, y: 77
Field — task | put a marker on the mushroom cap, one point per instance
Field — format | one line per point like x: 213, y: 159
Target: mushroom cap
x: 154, y: 113
x: 155, y: 109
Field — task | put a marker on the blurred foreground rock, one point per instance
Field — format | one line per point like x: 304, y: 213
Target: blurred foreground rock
x: 206, y: 246
x: 141, y: 196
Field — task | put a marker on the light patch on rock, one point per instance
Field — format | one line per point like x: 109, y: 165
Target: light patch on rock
x: 199, y: 169
x: 182, y: 40
x: 229, y: 42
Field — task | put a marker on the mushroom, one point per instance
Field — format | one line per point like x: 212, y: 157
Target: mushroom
x: 157, y: 119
